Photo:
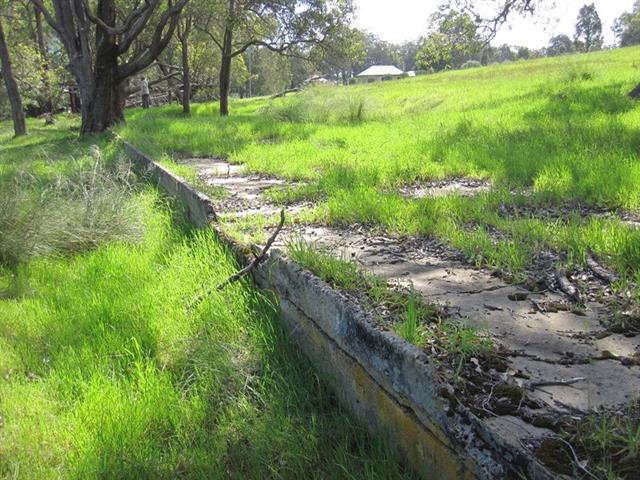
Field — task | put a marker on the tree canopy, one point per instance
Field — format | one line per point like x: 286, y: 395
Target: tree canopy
x: 627, y: 27
x: 588, y: 36
x: 453, y: 40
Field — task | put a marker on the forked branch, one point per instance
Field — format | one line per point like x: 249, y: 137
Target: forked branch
x: 256, y: 261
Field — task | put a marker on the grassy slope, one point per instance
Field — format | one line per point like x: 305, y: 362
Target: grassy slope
x: 105, y: 371
x: 562, y: 126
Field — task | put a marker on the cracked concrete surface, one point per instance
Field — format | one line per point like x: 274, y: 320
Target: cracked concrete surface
x: 545, y: 346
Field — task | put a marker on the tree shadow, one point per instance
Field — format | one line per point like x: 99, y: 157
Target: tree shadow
x: 575, y: 144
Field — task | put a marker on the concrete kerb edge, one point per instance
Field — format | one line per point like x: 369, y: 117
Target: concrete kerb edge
x: 384, y: 380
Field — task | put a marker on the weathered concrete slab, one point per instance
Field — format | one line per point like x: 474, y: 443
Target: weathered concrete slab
x: 547, y: 346
x: 392, y: 385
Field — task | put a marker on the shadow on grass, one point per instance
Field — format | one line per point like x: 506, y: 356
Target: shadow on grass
x: 574, y: 146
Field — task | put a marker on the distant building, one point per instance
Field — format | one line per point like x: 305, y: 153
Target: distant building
x: 379, y: 73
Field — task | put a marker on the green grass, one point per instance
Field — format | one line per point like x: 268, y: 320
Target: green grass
x: 109, y: 369
x: 562, y: 128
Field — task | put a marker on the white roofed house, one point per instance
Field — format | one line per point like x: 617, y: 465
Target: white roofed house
x: 379, y: 73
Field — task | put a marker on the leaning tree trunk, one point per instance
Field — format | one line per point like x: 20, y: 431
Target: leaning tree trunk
x: 19, y: 126
x: 225, y: 71
x: 635, y: 93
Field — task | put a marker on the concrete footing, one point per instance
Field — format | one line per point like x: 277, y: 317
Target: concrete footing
x: 389, y: 384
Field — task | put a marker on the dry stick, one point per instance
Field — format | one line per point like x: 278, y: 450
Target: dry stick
x: 600, y: 271
x: 567, y: 287
x: 554, y: 383
x: 284, y: 92
x: 256, y: 261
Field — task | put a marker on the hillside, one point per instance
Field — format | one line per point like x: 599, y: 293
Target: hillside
x: 560, y: 131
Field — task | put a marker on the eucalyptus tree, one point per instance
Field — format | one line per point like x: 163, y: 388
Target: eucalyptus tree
x: 283, y: 26
x: 341, y: 52
x: 588, y: 36
x: 560, y: 45
x: 183, y: 32
x: 453, y: 40
x: 627, y: 26
x: 108, y: 42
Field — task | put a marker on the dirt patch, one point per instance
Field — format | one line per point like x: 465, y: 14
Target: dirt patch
x: 550, y: 345
x: 440, y: 188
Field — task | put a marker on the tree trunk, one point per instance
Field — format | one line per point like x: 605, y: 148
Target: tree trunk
x: 186, y: 72
x: 19, y: 126
x: 635, y: 93
x: 225, y: 71
x: 102, y: 105
x: 48, y: 103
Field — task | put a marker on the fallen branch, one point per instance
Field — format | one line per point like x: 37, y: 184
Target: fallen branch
x: 284, y: 93
x: 567, y: 287
x: 553, y: 383
x: 256, y: 261
x: 600, y: 271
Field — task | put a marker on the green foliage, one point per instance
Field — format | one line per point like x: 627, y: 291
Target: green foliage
x: 560, y: 45
x: 589, y: 29
x: 453, y: 40
x: 342, y: 50
x: 609, y: 442
x: 627, y: 26
x: 410, y: 329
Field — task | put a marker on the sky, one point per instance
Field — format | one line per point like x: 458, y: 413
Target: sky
x: 401, y: 20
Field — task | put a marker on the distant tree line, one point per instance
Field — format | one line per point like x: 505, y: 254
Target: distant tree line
x: 457, y: 38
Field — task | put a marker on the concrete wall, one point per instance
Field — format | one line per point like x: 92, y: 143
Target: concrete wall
x: 388, y: 383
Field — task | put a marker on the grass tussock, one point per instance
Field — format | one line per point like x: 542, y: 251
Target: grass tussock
x: 323, y: 105
x: 69, y: 214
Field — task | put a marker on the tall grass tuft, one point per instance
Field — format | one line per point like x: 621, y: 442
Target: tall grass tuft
x: 409, y: 328
x: 323, y: 105
x: 67, y: 215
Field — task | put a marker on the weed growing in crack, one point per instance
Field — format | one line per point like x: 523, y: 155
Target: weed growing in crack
x: 608, y: 443
x: 461, y: 340
x: 409, y: 329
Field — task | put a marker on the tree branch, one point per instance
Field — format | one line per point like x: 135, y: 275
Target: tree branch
x: 47, y: 16
x: 158, y: 41
x: 256, y: 261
